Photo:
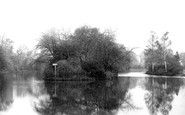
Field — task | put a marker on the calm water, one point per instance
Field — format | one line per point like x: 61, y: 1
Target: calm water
x: 129, y: 95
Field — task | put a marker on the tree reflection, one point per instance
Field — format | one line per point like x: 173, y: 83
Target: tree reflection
x: 78, y: 98
x: 161, y: 94
x: 6, y: 98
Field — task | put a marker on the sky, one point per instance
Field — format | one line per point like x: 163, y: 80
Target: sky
x: 24, y: 21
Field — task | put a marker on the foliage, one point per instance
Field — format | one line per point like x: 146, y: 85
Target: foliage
x: 7, y: 52
x: 137, y: 62
x: 2, y: 60
x: 23, y: 59
x: 98, y: 52
x: 159, y: 58
x: 182, y: 59
x: 94, y: 52
x: 11, y: 61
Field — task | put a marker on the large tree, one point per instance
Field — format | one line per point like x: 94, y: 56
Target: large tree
x: 98, y: 48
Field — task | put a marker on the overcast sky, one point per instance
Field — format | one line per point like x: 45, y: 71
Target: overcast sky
x: 23, y: 21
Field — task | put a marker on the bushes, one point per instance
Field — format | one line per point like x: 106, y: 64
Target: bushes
x: 160, y: 70
x: 65, y: 68
x: 48, y: 71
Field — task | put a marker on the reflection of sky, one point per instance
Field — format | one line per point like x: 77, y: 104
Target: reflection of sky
x: 142, y: 74
x: 25, y: 95
x: 179, y: 103
x: 138, y: 100
x: 138, y: 74
x: 21, y: 106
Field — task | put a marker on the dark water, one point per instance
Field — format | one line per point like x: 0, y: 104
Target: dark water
x: 141, y: 95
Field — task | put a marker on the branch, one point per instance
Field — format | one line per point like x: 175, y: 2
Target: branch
x: 127, y: 53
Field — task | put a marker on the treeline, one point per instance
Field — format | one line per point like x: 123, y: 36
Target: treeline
x: 90, y: 52
x: 21, y: 59
x: 159, y: 57
x: 86, y: 51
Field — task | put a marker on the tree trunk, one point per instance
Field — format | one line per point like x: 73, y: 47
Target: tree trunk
x: 165, y: 66
x: 153, y: 67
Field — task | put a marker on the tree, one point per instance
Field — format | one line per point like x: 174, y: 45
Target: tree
x: 56, y: 46
x: 7, y: 49
x: 162, y: 56
x: 48, y: 44
x: 165, y: 44
x: 23, y: 58
x: 150, y: 54
x: 98, y: 51
x: 182, y: 59
x: 3, y: 63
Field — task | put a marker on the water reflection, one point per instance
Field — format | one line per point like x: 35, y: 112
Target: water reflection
x: 128, y: 95
x: 18, y: 93
x: 6, y: 98
x: 161, y: 92
x: 100, y: 98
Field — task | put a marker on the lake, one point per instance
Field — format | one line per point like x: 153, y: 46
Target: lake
x: 130, y: 94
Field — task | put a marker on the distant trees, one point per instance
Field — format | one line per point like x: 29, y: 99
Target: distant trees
x: 3, y: 63
x: 6, y: 47
x: 182, y: 59
x: 137, y: 62
x: 11, y: 61
x: 159, y: 58
x: 86, y: 50
x: 23, y: 59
